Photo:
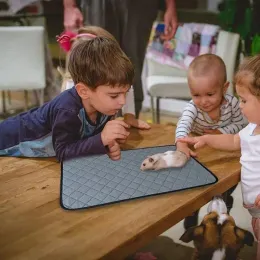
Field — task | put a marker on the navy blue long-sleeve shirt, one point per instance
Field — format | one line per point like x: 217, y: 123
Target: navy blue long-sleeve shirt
x: 60, y: 127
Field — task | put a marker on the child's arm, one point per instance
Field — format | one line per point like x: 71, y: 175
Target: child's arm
x: 114, y: 151
x: 128, y: 111
x: 67, y: 142
x: 238, y: 120
x: 184, y: 127
x: 226, y: 142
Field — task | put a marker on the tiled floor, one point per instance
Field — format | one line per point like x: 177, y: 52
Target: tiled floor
x: 168, y: 246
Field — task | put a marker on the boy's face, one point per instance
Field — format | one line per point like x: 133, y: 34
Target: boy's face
x: 108, y: 100
x: 249, y: 104
x: 207, y: 93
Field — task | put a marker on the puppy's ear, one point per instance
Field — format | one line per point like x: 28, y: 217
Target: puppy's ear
x: 188, y: 235
x: 191, y: 234
x: 246, y: 236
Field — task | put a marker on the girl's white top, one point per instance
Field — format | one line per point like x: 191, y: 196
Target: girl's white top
x: 250, y: 171
x: 128, y: 108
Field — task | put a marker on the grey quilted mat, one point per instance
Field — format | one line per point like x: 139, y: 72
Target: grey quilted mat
x: 97, y: 180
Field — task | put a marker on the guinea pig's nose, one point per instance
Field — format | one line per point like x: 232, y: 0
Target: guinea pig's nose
x: 144, y: 164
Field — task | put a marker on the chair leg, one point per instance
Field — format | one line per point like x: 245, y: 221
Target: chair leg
x: 9, y: 97
x: 152, y: 108
x: 41, y: 98
x: 3, y: 100
x: 36, y: 95
x: 26, y: 100
x: 157, y: 110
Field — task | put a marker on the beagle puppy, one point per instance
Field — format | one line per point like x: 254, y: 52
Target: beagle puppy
x: 217, y: 237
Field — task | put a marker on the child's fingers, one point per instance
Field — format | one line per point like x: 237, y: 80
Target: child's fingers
x: 198, y: 145
x: 121, y: 141
x: 137, y: 123
x: 188, y: 140
x: 115, y: 158
x: 113, y: 146
x: 120, y: 130
x: 193, y: 153
x: 116, y: 155
x: 118, y: 136
x: 143, y: 125
x: 120, y: 123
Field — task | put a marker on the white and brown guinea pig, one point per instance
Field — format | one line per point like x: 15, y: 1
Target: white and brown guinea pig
x: 164, y: 160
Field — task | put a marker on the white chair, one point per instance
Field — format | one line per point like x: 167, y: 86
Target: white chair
x: 22, y: 61
x: 163, y: 81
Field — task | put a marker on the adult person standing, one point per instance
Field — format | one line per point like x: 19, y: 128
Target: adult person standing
x: 130, y: 21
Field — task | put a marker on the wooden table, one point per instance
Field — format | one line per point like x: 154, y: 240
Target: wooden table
x: 34, y: 226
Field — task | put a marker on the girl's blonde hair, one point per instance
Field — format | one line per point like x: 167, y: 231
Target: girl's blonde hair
x: 248, y: 75
x: 94, y: 30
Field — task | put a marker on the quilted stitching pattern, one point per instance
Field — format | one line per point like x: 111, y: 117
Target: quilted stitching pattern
x: 97, y: 180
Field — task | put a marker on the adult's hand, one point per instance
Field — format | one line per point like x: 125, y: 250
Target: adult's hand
x: 73, y: 18
x: 170, y: 20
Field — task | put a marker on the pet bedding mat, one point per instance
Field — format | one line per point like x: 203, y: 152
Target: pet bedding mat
x: 97, y: 180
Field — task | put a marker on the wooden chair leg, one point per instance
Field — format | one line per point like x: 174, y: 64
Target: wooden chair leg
x: 157, y: 110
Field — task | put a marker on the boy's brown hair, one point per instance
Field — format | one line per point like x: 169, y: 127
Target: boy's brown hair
x: 248, y: 74
x: 208, y: 65
x: 100, y: 61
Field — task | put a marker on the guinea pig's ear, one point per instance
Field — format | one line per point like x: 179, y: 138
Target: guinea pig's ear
x: 150, y: 159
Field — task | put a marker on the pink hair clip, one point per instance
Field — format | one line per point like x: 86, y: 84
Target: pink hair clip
x: 92, y: 36
x: 65, y: 38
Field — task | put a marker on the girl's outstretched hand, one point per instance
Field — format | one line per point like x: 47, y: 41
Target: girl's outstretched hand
x: 197, y: 142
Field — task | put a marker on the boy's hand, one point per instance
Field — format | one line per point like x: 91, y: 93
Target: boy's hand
x: 197, y: 142
x: 257, y: 201
x: 113, y: 130
x: 114, y: 151
x: 211, y: 131
x: 137, y: 123
x: 183, y: 147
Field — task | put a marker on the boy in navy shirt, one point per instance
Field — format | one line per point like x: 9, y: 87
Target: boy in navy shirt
x: 79, y: 121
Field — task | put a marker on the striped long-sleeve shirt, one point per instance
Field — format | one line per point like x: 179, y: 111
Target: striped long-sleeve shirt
x: 194, y: 120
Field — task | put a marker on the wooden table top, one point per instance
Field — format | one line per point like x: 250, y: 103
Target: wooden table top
x: 34, y: 226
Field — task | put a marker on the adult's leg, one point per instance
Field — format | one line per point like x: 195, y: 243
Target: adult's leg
x: 103, y: 13
x: 137, y: 23
x: 130, y: 21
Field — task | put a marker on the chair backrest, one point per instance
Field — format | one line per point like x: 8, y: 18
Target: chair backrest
x: 22, y: 59
x: 227, y: 49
